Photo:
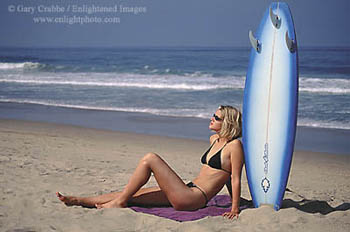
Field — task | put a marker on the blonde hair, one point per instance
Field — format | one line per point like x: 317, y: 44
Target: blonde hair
x: 232, y: 122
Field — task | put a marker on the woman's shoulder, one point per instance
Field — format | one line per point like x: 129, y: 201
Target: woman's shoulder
x: 235, y: 145
x: 235, y: 142
x: 235, y: 149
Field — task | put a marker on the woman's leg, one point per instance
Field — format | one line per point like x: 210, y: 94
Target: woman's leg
x: 144, y: 195
x: 89, y: 202
x: 172, y: 187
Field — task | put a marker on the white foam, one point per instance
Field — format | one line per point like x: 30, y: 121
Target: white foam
x: 129, y: 80
x: 120, y: 84
x: 329, y: 85
x: 323, y: 124
x: 196, y: 81
x: 24, y: 65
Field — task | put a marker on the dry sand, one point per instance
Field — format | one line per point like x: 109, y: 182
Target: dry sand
x: 38, y: 159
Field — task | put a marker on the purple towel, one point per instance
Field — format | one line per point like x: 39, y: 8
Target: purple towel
x: 215, y: 207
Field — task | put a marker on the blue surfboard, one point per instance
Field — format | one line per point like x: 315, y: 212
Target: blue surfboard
x: 270, y: 106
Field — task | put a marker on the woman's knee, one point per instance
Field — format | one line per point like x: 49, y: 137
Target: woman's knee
x: 150, y: 157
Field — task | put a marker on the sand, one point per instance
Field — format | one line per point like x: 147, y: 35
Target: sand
x: 38, y: 159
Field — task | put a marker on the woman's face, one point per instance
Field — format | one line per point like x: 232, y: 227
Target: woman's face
x: 216, y: 121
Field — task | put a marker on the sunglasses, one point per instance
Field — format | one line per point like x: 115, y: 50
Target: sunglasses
x: 217, y: 118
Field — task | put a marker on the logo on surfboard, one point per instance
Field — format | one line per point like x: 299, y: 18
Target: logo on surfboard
x: 265, y: 183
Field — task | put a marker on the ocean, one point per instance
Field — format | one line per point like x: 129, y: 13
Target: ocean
x: 181, y: 82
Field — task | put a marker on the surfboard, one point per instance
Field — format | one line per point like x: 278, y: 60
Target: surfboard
x: 270, y: 106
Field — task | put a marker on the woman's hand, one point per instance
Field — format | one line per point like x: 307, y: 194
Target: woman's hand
x: 232, y: 214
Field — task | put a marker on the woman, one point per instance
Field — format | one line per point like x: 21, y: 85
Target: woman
x: 223, y: 159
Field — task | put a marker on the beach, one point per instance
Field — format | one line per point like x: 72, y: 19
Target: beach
x: 37, y: 159
x: 77, y: 121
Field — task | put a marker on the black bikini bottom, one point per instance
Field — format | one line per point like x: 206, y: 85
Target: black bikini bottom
x: 192, y: 185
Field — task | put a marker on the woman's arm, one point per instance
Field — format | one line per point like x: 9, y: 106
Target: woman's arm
x: 236, y: 171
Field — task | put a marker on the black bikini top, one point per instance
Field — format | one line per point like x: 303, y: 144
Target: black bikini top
x: 215, y: 160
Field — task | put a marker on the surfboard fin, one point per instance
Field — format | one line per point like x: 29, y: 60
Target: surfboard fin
x: 255, y: 42
x: 291, y: 44
x: 275, y: 19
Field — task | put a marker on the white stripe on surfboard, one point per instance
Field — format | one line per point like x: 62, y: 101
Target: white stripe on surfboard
x: 266, y: 146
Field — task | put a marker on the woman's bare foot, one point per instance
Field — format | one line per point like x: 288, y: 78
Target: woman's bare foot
x: 112, y: 204
x: 68, y: 200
